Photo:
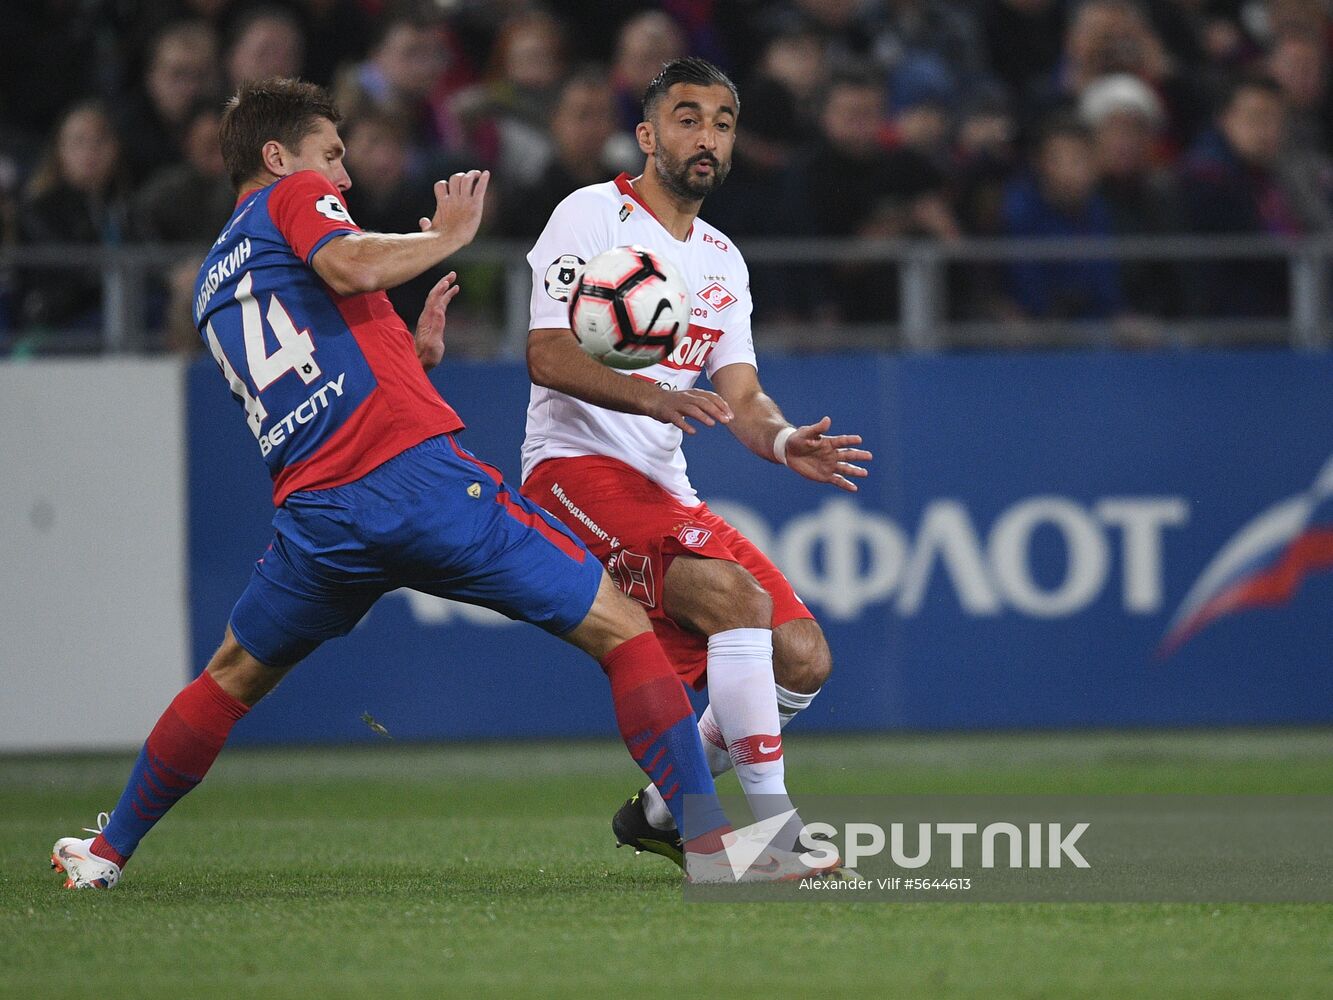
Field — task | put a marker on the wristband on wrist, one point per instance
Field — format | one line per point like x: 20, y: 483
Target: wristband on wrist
x: 780, y: 444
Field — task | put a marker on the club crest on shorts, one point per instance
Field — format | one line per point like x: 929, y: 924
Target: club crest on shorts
x: 561, y: 276
x: 694, y: 537
x: 633, y: 574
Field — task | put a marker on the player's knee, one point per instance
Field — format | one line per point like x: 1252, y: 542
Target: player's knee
x: 754, y: 604
x: 239, y: 674
x: 802, y: 661
x: 613, y: 619
x: 626, y: 615
x: 733, y: 599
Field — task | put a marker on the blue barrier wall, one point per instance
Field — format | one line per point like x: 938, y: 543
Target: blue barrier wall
x: 1065, y: 540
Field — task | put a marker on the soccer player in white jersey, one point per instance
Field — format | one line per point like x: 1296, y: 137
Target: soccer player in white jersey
x: 603, y: 451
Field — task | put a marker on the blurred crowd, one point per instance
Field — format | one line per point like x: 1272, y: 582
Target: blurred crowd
x: 859, y: 118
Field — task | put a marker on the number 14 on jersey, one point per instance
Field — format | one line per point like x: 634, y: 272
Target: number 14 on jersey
x: 296, y: 352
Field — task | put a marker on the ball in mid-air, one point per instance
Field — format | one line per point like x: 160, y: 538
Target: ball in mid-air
x: 628, y: 307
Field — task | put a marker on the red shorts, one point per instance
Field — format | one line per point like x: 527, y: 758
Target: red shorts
x: 636, y: 529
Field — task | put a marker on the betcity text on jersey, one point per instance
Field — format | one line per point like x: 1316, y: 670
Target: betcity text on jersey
x: 316, y: 401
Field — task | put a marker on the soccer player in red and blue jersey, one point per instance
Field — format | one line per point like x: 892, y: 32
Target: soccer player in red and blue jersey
x: 373, y: 489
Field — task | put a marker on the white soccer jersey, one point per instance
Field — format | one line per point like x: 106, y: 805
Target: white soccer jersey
x: 597, y: 218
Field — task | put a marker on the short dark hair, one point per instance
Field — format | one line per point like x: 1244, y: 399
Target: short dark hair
x: 690, y: 69
x: 275, y: 108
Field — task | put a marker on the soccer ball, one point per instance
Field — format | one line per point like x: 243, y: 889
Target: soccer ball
x: 628, y: 306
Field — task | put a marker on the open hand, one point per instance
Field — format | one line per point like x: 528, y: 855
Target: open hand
x: 430, y: 327
x: 827, y: 458
x: 458, y: 206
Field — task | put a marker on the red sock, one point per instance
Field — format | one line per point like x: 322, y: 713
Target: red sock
x: 178, y: 753
x: 657, y: 724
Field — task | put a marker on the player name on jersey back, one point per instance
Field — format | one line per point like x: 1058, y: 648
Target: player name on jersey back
x: 330, y: 385
x: 597, y: 218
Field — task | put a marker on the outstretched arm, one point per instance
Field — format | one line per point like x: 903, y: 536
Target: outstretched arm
x: 761, y: 427
x: 556, y: 361
x: 366, y: 262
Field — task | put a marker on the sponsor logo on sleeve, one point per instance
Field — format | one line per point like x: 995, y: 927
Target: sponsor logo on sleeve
x: 561, y: 276
x: 331, y: 208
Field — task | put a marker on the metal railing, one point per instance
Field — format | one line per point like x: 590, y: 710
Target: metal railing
x: 920, y: 268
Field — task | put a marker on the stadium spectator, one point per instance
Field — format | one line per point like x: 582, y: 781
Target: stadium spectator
x: 1300, y: 66
x: 77, y: 195
x: 851, y: 184
x: 266, y: 41
x: 189, y: 202
x: 517, y: 97
x: 1108, y: 37
x: 584, y: 138
x: 922, y: 115
x: 795, y: 60
x: 1059, y: 200
x: 1231, y: 184
x: 182, y: 70
x: 645, y: 42
x: 985, y: 155
x: 382, y: 199
x: 930, y: 42
x: 526, y: 67
x: 1126, y: 118
x: 1111, y: 36
x: 852, y: 176
x: 403, y: 76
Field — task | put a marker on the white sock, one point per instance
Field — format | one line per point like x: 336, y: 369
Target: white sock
x: 790, y: 704
x: 744, y: 705
x: 742, y: 697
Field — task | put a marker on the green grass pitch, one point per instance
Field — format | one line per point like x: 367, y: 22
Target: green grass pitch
x: 488, y: 870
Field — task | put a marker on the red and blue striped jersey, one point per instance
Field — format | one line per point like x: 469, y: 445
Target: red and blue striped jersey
x: 330, y: 384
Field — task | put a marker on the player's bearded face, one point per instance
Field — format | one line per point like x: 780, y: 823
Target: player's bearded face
x: 681, y: 178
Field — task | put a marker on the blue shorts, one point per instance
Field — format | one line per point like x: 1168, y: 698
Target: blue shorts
x: 434, y: 519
